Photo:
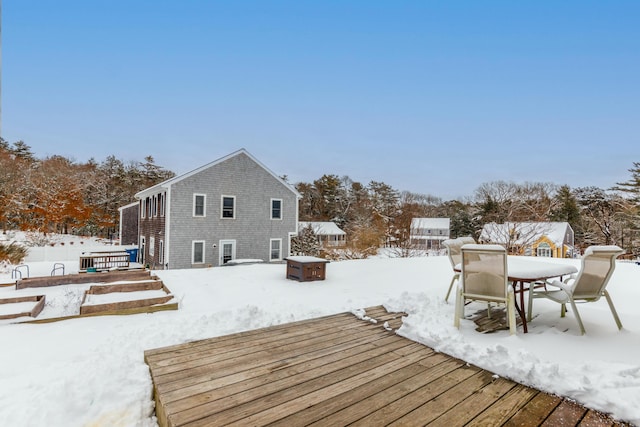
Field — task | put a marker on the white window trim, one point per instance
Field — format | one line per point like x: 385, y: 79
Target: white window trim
x: 235, y: 207
x: 204, y: 205
x: 193, y: 251
x: 152, y: 244
x: 279, y: 250
x: 163, y: 203
x: 160, y: 251
x: 271, y: 209
x: 142, y: 257
x: 143, y: 207
x: 233, y: 244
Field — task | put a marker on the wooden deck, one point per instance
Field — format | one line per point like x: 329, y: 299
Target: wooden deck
x: 341, y: 370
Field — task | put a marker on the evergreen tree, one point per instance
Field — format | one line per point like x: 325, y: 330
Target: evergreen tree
x: 632, y: 187
x: 306, y: 242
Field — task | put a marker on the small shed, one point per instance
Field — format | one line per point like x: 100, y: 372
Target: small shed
x: 306, y: 268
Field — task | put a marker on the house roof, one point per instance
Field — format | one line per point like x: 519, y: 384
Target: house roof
x: 531, y: 231
x: 430, y: 223
x: 128, y: 206
x: 326, y: 228
x: 171, y: 181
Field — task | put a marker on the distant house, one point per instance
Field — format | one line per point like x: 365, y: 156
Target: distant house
x: 429, y: 233
x: 543, y: 239
x: 231, y: 208
x: 328, y: 233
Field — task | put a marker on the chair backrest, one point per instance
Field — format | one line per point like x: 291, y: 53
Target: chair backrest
x: 467, y: 239
x: 453, y: 250
x: 484, y: 272
x: 598, y: 264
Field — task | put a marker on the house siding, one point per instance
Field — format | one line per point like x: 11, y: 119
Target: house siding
x: 153, y: 226
x: 129, y: 225
x: 252, y: 228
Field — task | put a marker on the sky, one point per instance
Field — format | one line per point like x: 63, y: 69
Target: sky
x: 429, y: 97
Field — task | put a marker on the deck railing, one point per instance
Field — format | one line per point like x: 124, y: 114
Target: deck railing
x: 100, y: 261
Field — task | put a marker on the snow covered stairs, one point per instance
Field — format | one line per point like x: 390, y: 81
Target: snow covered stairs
x: 340, y: 370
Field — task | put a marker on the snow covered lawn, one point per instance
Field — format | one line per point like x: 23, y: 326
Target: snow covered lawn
x: 91, y: 371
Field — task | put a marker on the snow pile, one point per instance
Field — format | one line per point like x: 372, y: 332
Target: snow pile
x: 91, y: 371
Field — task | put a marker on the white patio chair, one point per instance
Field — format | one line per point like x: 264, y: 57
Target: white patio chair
x: 598, y: 264
x: 484, y: 278
x: 467, y: 239
x: 455, y: 257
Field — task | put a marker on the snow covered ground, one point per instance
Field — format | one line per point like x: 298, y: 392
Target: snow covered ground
x: 91, y: 371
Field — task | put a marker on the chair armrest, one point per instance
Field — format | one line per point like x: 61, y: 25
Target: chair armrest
x: 565, y: 286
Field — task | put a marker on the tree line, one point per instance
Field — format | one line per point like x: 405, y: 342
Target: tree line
x: 58, y: 194
x: 377, y: 214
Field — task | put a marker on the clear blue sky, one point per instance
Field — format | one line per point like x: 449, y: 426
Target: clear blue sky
x: 431, y: 97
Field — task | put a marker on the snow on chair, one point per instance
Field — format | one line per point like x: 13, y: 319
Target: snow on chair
x: 598, y: 264
x: 484, y: 278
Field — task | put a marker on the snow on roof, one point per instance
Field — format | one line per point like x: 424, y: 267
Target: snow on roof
x: 432, y: 223
x: 128, y: 206
x: 531, y: 231
x: 326, y: 228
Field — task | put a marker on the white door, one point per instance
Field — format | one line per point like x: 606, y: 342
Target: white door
x: 227, y: 251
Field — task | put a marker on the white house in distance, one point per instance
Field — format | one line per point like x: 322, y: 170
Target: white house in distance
x: 543, y: 239
x: 429, y: 233
x: 328, y: 233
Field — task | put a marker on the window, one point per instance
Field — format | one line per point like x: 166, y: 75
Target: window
x: 199, y: 205
x: 160, y: 252
x: 148, y: 201
x: 163, y: 200
x: 228, y: 206
x: 544, y: 250
x: 197, y: 252
x: 155, y: 206
x: 152, y: 245
x: 276, y: 250
x: 142, y: 209
x: 276, y: 208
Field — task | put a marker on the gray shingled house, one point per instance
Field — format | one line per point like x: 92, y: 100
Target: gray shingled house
x: 233, y: 208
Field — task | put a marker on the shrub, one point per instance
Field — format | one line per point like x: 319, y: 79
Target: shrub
x: 13, y: 252
x: 37, y: 239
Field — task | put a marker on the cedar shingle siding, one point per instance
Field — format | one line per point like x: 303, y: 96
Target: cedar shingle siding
x: 238, y: 175
x: 129, y: 225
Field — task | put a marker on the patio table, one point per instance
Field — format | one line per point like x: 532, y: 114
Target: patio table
x: 524, y: 270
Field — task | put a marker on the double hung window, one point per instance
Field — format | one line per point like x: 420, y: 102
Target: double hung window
x: 229, y: 207
x: 197, y: 252
x: 276, y: 208
x: 276, y: 250
x: 199, y: 207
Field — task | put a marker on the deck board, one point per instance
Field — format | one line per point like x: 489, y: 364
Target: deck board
x: 340, y: 370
